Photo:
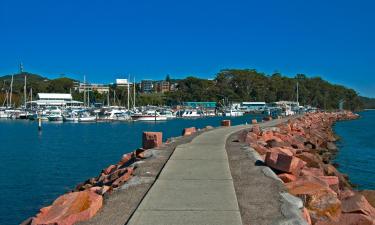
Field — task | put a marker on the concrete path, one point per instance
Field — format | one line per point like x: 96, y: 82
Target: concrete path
x: 195, y: 187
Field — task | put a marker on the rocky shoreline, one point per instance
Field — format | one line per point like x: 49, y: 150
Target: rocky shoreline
x: 300, y: 153
x: 88, y: 198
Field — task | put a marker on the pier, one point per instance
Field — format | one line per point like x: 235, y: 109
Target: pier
x: 194, y: 184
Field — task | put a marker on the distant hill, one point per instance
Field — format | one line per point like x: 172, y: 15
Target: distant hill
x: 368, y: 103
x: 38, y: 83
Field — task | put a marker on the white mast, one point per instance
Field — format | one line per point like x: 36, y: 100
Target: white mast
x: 297, y: 94
x: 11, y: 90
x: 134, y: 94
x: 88, y: 97
x: 128, y: 92
x: 84, y: 90
x: 108, y: 98
x: 31, y: 97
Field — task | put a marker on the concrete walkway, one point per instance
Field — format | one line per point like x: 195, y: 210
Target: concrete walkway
x: 195, y: 187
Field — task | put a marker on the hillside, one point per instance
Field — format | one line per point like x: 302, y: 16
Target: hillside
x: 38, y: 83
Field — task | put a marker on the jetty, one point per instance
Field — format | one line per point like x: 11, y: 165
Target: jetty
x: 274, y: 172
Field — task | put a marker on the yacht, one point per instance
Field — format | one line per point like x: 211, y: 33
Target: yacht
x: 190, y: 113
x: 233, y: 112
x: 86, y: 117
x: 117, y: 115
x: 150, y: 115
x: 55, y: 115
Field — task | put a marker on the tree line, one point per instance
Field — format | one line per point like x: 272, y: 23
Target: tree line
x: 228, y: 86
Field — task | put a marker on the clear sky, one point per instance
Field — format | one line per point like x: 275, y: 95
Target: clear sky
x: 113, y: 38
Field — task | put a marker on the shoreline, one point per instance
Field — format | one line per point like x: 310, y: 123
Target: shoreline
x: 300, y: 152
x: 126, y: 183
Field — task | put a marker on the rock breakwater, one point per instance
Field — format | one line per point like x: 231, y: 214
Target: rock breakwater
x: 299, y: 152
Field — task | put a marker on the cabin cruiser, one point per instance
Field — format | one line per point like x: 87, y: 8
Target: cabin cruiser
x: 55, y: 115
x: 150, y: 115
x: 168, y: 113
x: 86, y: 117
x: 190, y: 113
x: 233, y: 112
x: 117, y: 115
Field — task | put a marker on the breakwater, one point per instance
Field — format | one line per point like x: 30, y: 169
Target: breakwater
x: 300, y: 153
x: 37, y: 167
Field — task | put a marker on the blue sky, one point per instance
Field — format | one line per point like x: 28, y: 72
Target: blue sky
x: 110, y: 39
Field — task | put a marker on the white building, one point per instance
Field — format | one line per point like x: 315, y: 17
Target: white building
x: 55, y: 99
x: 253, y: 106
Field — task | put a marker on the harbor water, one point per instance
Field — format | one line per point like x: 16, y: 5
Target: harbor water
x: 37, y: 167
x: 356, y: 155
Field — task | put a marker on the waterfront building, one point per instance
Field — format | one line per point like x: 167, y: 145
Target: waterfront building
x: 162, y: 86
x: 252, y: 106
x: 199, y: 104
x: 147, y: 86
x: 54, y: 99
x: 82, y: 87
x: 121, y: 82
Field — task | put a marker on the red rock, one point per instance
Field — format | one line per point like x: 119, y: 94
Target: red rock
x: 260, y: 149
x: 267, y: 135
x: 126, y: 158
x: 109, y: 169
x: 70, y: 208
x: 256, y: 129
x: 358, y: 204
x: 123, y: 178
x: 285, y: 163
x: 254, y: 121
x: 346, y: 193
x: 283, y: 150
x: 332, y: 181
x: 306, y: 171
x: 318, y: 198
x: 306, y: 215
x: 311, y: 159
x: 286, y: 177
x: 152, y: 139
x: 226, y: 123
x: 189, y: 131
x: 370, y: 196
x: 251, y: 138
x: 349, y: 219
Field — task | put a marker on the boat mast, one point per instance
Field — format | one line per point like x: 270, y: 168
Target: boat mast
x: 108, y: 98
x: 24, y: 87
x: 84, y: 90
x: 31, y: 98
x: 134, y: 94
x: 11, y: 90
x: 128, y: 91
x: 88, y: 97
x: 297, y: 94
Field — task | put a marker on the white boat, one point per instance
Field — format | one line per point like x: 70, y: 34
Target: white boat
x: 150, y: 115
x: 233, y: 112
x: 117, y: 115
x: 4, y: 114
x: 190, y: 113
x: 167, y: 113
x: 72, y: 117
x: 86, y: 117
x: 55, y: 114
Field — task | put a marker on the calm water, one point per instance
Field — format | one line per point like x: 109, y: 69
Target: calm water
x: 36, y: 167
x: 356, y: 156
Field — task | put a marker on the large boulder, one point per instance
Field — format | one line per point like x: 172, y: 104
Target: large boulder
x: 311, y: 159
x: 319, y: 199
x: 349, y: 219
x: 284, y: 163
x: 152, y: 139
x: 70, y: 208
x: 358, y: 204
x: 189, y: 131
